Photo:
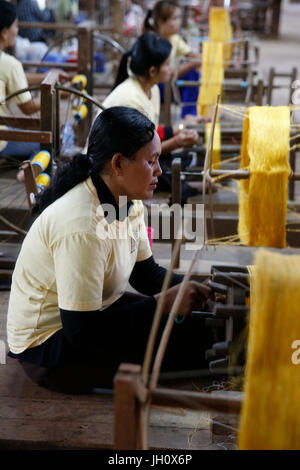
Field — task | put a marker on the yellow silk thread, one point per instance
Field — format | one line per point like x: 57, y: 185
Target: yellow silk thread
x: 220, y: 30
x: 216, y: 154
x: 270, y: 418
x: 212, y: 77
x: 263, y: 197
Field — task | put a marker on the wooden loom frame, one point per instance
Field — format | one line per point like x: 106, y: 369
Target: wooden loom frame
x: 133, y: 396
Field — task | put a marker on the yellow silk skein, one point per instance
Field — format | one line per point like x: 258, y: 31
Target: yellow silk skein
x: 212, y: 77
x: 220, y: 30
x: 263, y: 197
x: 270, y: 418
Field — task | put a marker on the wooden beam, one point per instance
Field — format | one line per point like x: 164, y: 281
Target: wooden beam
x: 21, y: 122
x: 30, y: 183
x: 195, y: 400
x: 44, y: 137
x: 126, y: 407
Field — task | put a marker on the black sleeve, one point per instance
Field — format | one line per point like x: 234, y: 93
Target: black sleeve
x: 147, y: 277
x: 168, y: 132
x: 80, y: 328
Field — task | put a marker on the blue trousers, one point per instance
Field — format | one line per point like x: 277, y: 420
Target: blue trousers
x: 20, y: 150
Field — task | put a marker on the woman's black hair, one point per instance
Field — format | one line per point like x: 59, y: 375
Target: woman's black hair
x: 149, y: 50
x: 116, y: 130
x: 162, y: 10
x: 8, y: 14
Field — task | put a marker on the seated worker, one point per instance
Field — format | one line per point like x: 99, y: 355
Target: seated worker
x: 29, y: 11
x: 140, y: 70
x: 165, y: 19
x: 70, y: 320
x: 12, y: 79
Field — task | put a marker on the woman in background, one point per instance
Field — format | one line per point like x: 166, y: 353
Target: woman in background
x: 140, y: 70
x: 165, y: 19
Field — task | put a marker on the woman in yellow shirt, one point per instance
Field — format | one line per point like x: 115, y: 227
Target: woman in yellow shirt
x: 165, y: 19
x: 71, y: 321
x: 140, y: 70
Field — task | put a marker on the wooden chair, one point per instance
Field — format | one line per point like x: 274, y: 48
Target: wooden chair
x: 292, y: 76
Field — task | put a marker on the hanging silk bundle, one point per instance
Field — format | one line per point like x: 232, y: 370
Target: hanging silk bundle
x: 220, y: 30
x: 263, y: 197
x: 270, y: 416
x: 216, y: 156
x: 212, y: 77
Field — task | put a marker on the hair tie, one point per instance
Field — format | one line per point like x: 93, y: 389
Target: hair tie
x: 129, y: 71
x: 89, y: 161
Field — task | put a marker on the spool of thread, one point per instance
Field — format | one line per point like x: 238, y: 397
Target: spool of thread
x: 81, y: 113
x: 78, y: 100
x: 79, y: 81
x: 41, y: 160
x: 42, y: 181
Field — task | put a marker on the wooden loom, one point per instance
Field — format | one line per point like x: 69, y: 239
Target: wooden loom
x: 134, y: 394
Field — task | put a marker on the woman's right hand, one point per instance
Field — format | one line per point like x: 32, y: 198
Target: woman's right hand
x: 187, y: 138
x: 194, y: 297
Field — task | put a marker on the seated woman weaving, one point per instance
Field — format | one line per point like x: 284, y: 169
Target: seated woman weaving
x: 70, y: 320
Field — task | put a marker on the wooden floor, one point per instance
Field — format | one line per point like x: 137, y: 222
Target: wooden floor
x: 12, y: 194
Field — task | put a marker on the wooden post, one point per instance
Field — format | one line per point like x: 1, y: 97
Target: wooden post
x: 117, y: 19
x: 126, y: 406
x: 275, y: 17
x: 176, y: 199
x: 85, y: 66
x: 292, y: 181
x: 259, y: 93
x: 30, y: 184
x: 48, y: 109
x: 86, y: 52
x: 270, y: 85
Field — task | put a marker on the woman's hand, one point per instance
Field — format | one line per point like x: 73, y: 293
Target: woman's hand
x: 187, y: 138
x: 190, y: 119
x: 195, y: 296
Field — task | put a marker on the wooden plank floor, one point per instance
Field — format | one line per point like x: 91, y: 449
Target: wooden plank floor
x: 35, y: 418
x: 12, y: 194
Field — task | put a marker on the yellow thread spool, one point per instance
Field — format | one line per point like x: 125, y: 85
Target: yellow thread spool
x: 41, y: 159
x: 79, y: 81
x: 43, y: 180
x: 81, y: 113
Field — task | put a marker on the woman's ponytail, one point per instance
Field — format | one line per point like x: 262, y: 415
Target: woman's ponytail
x: 149, y: 24
x: 122, y: 70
